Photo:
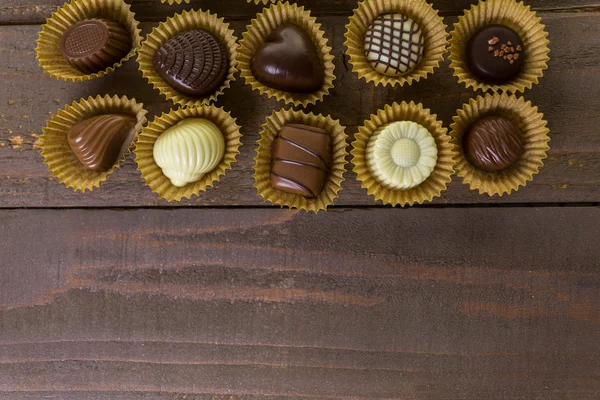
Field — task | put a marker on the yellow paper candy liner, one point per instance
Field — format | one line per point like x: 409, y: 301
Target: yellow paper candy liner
x: 48, y: 52
x: 514, y: 15
x: 432, y: 186
x: 535, y: 140
x: 262, y: 167
x: 174, y: 1
x: 265, y: 23
x: 422, y: 13
x: 57, y: 153
x: 179, y: 23
x: 153, y: 174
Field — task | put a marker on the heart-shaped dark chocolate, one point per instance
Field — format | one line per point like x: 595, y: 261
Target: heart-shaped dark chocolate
x: 289, y: 61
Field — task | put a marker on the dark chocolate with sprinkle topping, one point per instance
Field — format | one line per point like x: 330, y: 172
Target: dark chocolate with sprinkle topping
x: 301, y: 160
x: 193, y: 63
x: 495, y: 54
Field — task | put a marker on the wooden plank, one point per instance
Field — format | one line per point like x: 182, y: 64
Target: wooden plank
x: 36, y: 11
x: 491, y: 303
x: 567, y: 96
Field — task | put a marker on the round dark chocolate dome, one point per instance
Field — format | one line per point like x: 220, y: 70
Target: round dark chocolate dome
x: 493, y: 144
x: 495, y: 54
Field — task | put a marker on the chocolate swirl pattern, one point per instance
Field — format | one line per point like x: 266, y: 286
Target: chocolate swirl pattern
x: 301, y: 159
x: 493, y: 144
x: 98, y: 142
x: 92, y: 45
x: 194, y: 63
x: 394, y: 44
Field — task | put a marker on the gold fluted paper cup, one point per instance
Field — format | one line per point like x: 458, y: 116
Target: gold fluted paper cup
x: 48, y: 51
x: 422, y: 13
x: 153, y: 174
x: 262, y: 167
x: 57, y: 153
x: 534, y: 135
x: 265, y: 23
x: 179, y: 23
x: 174, y: 1
x: 440, y: 177
x: 514, y: 15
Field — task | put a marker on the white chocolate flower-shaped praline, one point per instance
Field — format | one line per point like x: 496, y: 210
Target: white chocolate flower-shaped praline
x: 189, y: 150
x: 401, y: 155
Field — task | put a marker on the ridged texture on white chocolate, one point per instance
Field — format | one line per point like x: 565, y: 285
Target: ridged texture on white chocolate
x: 401, y: 155
x: 189, y: 150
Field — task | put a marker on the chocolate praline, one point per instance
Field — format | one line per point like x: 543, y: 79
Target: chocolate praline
x: 93, y: 45
x: 289, y: 61
x: 493, y: 144
x: 301, y: 160
x: 394, y: 44
x: 495, y: 54
x: 194, y: 63
x: 98, y: 142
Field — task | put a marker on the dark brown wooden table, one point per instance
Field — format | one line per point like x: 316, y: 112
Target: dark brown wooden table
x: 115, y: 294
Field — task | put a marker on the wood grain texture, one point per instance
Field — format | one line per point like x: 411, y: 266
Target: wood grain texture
x: 265, y: 304
x: 567, y: 96
x: 36, y: 11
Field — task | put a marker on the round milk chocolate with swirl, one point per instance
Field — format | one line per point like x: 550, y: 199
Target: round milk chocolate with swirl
x: 92, y: 45
x: 194, y: 63
x: 493, y: 144
x: 394, y: 44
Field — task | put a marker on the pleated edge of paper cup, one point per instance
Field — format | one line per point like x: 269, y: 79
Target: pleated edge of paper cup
x: 152, y: 173
x: 262, y: 161
x: 54, y: 28
x: 509, y: 13
x: 531, y: 123
x: 76, y: 112
x: 266, y: 22
x: 428, y: 18
x: 179, y: 23
x: 265, y: 2
x: 434, y: 185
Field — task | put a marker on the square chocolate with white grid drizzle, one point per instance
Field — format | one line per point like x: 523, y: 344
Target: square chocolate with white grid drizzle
x: 301, y: 160
x: 394, y: 44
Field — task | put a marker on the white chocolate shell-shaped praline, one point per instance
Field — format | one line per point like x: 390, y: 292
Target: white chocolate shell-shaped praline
x: 189, y: 150
x: 401, y: 155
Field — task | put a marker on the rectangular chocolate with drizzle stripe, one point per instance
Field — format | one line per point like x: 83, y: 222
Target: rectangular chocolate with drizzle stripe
x: 301, y: 159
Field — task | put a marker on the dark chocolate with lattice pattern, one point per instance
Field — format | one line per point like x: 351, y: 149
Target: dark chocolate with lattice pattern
x: 394, y: 44
x: 193, y: 63
x: 92, y: 45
